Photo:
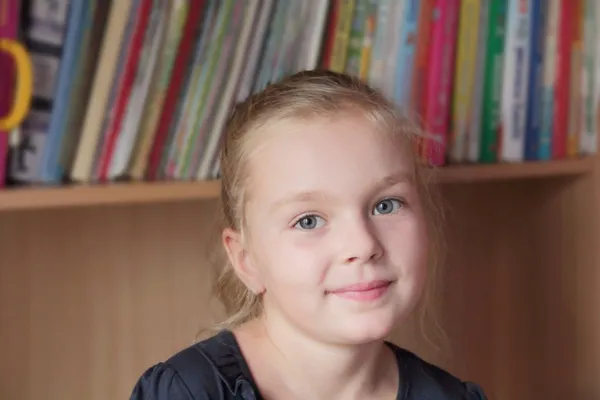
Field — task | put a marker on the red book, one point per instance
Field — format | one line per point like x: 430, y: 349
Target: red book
x: 184, y: 57
x: 9, y: 26
x: 563, y: 76
x: 439, y: 79
x: 327, y: 51
x: 125, y: 86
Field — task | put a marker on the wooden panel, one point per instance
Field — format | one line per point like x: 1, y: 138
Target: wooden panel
x: 89, y: 297
x: 567, y: 233
x: 487, y: 273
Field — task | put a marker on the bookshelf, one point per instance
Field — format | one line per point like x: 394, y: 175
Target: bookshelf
x: 115, y: 194
x: 111, y: 279
x: 98, y: 282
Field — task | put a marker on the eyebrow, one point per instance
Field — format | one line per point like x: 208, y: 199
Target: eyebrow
x: 392, y: 180
x: 311, y: 196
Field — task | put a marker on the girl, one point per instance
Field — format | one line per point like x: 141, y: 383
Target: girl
x: 329, y: 226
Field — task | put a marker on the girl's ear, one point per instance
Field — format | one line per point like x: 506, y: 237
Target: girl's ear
x: 241, y: 260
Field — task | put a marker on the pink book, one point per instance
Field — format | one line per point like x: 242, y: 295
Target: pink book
x: 9, y: 25
x: 439, y: 79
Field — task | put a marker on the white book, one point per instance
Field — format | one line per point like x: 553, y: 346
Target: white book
x: 515, y: 88
x: 590, y: 85
x: 313, y: 31
x: 128, y: 133
x: 380, y: 43
x: 388, y: 83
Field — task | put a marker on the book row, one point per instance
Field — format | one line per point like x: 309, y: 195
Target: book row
x: 141, y: 89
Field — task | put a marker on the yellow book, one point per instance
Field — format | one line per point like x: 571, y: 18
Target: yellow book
x: 81, y: 170
x: 367, y: 47
x: 342, y: 34
x: 464, y: 78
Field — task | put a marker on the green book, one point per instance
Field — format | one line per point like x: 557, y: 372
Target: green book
x: 492, y: 84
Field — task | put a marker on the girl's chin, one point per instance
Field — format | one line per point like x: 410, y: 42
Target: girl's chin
x: 363, y: 329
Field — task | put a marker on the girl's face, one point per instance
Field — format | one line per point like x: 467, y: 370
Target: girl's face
x: 336, y: 237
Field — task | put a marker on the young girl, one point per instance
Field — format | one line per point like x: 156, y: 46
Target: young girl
x: 329, y: 229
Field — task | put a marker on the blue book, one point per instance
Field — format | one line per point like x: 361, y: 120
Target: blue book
x: 79, y: 18
x: 536, y: 76
x: 406, y: 53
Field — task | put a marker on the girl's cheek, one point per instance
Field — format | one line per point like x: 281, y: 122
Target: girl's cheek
x: 303, y: 262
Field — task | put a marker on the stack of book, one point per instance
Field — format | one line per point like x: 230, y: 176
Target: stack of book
x: 141, y: 89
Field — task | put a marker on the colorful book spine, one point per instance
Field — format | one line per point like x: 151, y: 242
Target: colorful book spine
x: 130, y: 129
x: 275, y: 37
x: 192, y: 87
x: 44, y: 37
x: 474, y: 116
x: 111, y: 111
x: 88, y: 62
x: 515, y: 81
x: 589, y: 80
x: 406, y: 53
x: 177, y: 18
x: 393, y: 45
x: 210, y: 148
x: 549, y: 81
x: 575, y: 101
x: 106, y: 73
x: 380, y: 47
x: 563, y: 77
x: 464, y: 79
x: 260, y: 33
x: 439, y: 79
x: 492, y: 91
x: 328, y: 45
x: 125, y: 88
x: 419, y: 76
x: 537, y: 33
x: 9, y: 26
x: 195, y: 145
x: 593, y: 138
x: 366, y: 50
x: 79, y: 18
x: 343, y: 28
x: 357, y: 34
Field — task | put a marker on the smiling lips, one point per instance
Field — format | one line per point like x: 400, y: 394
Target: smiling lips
x: 366, y: 291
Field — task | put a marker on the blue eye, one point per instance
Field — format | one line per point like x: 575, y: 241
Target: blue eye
x: 387, y: 206
x: 309, y: 222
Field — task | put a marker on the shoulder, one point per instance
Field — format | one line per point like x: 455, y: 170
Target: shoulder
x: 426, y: 380
x: 160, y: 382
x: 202, y: 371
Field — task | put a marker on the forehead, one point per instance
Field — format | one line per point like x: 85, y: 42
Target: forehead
x: 333, y: 155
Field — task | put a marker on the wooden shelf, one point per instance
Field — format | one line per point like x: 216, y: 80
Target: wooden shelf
x: 111, y: 194
x: 515, y: 171
x: 15, y: 199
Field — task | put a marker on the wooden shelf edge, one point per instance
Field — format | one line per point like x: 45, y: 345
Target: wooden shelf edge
x: 16, y: 199
x: 38, y: 198
x: 513, y: 171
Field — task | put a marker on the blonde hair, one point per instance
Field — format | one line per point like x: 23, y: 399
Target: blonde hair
x: 306, y: 95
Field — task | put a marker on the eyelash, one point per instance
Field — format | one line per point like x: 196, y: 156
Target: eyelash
x: 402, y: 204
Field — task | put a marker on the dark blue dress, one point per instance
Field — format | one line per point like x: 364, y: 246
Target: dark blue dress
x: 215, y: 369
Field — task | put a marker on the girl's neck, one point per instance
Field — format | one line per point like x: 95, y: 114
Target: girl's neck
x: 307, y: 368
